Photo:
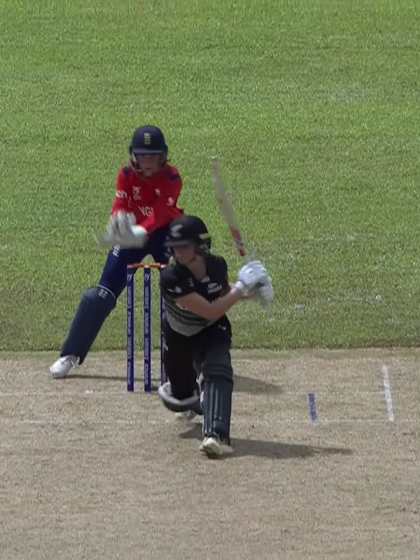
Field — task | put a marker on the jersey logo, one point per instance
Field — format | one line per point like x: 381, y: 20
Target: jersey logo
x: 136, y: 193
x: 146, y: 210
x: 121, y: 194
x: 213, y: 287
x: 176, y: 290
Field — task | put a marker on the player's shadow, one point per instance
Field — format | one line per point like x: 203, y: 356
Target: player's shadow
x: 242, y: 384
x: 270, y: 449
x: 96, y: 376
x: 245, y: 384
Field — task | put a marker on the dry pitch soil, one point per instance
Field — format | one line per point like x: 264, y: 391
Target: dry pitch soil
x: 89, y: 471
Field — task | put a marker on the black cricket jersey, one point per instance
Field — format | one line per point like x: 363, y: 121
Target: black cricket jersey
x: 177, y: 280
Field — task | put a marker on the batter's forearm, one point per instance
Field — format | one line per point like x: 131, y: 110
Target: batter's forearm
x: 221, y: 305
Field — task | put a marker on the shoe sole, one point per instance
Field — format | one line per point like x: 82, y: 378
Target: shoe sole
x: 59, y: 375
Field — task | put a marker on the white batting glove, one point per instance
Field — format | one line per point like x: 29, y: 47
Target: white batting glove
x: 251, y: 276
x: 265, y: 293
x: 122, y: 231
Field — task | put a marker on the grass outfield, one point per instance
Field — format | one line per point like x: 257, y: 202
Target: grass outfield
x: 312, y: 107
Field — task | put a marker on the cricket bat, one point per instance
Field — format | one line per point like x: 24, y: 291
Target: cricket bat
x: 226, y: 208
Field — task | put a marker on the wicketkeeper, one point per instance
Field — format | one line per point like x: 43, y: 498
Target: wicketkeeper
x: 147, y: 191
x: 197, y: 295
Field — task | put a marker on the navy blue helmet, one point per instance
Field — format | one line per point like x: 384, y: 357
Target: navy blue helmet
x: 148, y: 140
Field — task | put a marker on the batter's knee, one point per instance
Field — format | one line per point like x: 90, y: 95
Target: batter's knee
x: 218, y: 365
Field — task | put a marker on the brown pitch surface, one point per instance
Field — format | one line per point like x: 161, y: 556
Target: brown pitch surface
x: 90, y: 471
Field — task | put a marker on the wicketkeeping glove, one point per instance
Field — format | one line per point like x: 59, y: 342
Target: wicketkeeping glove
x: 122, y: 231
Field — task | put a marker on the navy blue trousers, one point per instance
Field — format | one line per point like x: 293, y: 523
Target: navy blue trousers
x: 98, y: 302
x: 114, y: 274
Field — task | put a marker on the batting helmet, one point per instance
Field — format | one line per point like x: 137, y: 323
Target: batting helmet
x: 189, y: 229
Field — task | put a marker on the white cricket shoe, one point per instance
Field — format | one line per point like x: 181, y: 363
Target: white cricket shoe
x: 63, y: 366
x: 214, y: 447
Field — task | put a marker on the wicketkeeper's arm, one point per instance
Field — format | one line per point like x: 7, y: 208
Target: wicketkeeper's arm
x: 123, y: 231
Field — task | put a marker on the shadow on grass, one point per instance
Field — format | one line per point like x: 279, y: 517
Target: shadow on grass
x: 270, y: 449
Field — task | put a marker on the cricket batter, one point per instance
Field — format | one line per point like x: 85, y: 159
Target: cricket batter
x: 197, y: 295
x: 147, y: 192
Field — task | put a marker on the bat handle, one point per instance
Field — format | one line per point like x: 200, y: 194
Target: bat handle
x: 252, y: 257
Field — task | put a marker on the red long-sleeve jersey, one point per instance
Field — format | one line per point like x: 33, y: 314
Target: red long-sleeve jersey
x: 153, y: 200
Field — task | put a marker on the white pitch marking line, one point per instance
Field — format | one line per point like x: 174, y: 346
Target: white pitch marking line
x: 93, y: 421
x: 387, y: 392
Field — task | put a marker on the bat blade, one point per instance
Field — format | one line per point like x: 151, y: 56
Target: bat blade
x: 226, y: 208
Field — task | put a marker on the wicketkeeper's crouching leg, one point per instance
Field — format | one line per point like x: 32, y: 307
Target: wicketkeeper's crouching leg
x: 95, y: 306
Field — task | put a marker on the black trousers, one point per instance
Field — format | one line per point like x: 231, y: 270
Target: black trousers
x: 207, y: 352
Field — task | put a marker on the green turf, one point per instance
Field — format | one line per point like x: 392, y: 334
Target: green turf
x: 312, y: 107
